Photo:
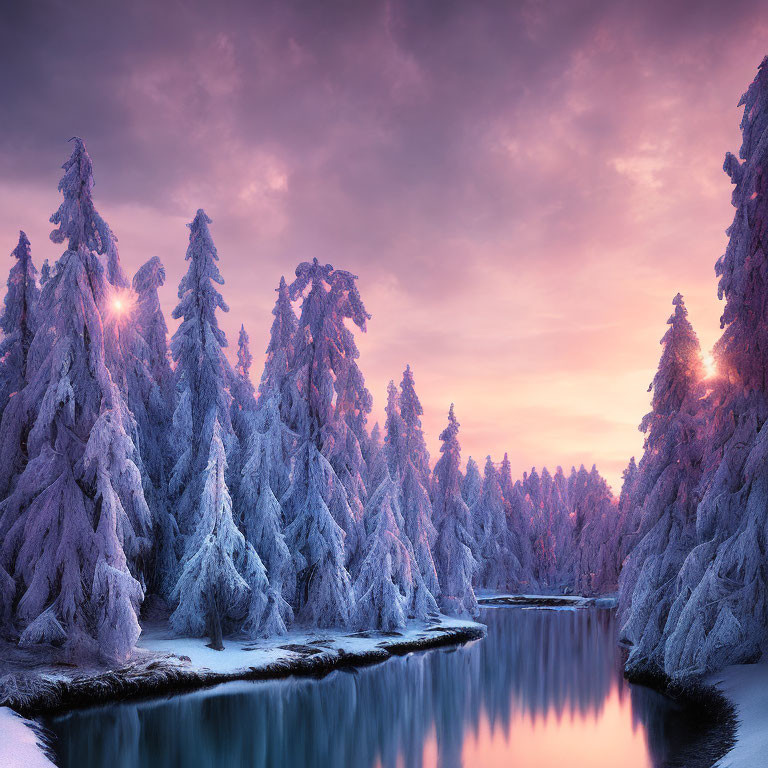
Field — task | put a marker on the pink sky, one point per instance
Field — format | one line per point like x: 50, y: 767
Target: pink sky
x: 521, y: 188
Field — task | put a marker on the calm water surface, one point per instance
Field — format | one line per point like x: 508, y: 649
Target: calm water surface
x: 544, y: 689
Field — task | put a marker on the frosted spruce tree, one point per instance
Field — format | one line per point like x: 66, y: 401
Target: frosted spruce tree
x: 277, y: 375
x: 671, y: 471
x: 499, y: 567
x: 265, y: 477
x: 472, y: 483
x: 389, y: 587
x: 456, y: 565
x: 321, y: 523
x: 223, y: 585
x: 629, y: 510
x: 720, y: 614
x: 414, y: 474
x: 45, y: 273
x: 243, y: 409
x: 17, y: 321
x: 387, y: 474
x: 411, y: 412
x: 595, y: 564
x: 210, y: 598
x: 79, y: 500
x: 151, y: 394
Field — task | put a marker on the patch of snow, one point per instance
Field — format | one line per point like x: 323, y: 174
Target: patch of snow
x: 746, y: 686
x: 20, y: 745
x: 489, y: 597
x: 243, y: 655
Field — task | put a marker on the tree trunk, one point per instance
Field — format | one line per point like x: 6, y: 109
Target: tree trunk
x: 214, y: 623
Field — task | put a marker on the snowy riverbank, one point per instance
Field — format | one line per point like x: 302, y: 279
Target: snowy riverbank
x: 165, y: 664
x: 488, y: 598
x: 746, y: 687
x: 20, y: 746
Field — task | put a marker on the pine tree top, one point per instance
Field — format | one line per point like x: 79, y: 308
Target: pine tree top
x: 22, y: 288
x: 449, y: 436
x: 680, y: 367
x: 244, y: 356
x: 77, y: 219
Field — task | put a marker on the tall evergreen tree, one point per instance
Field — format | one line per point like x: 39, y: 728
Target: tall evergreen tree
x: 671, y: 469
x: 223, y: 585
x: 277, y: 374
x: 389, y: 587
x: 394, y: 442
x: 629, y: 511
x: 720, y: 615
x: 214, y: 550
x: 152, y: 399
x: 265, y: 478
x: 414, y: 473
x: 499, y: 567
x: 411, y: 413
x: 321, y: 522
x: 472, y: 484
x: 456, y: 565
x: 79, y: 500
x: 17, y: 321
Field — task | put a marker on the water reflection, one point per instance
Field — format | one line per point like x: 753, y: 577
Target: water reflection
x: 544, y: 688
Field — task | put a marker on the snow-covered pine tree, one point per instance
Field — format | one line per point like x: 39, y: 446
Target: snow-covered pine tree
x: 594, y: 565
x: 265, y: 478
x: 223, y: 584
x: 499, y: 568
x: 671, y: 471
x: 519, y: 513
x: 243, y: 413
x: 376, y: 459
x: 45, y: 273
x: 389, y: 587
x: 17, y: 321
x: 384, y: 584
x: 202, y: 373
x: 394, y: 447
x: 411, y: 413
x: 414, y: 474
x: 277, y: 374
x: 317, y: 502
x: 472, y: 484
x: 720, y: 615
x: 151, y: 396
x: 629, y: 514
x: 204, y: 438
x: 454, y: 546
x: 79, y: 499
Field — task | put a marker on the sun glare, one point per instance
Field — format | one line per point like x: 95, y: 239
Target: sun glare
x: 120, y: 305
x: 710, y: 366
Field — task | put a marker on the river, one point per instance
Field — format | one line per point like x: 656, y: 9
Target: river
x: 544, y: 689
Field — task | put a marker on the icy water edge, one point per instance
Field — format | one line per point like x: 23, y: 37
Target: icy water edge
x: 543, y: 689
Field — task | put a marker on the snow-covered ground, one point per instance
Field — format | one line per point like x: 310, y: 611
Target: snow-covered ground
x: 163, y: 663
x: 746, y: 686
x: 20, y: 746
x: 250, y: 655
x: 486, y: 597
